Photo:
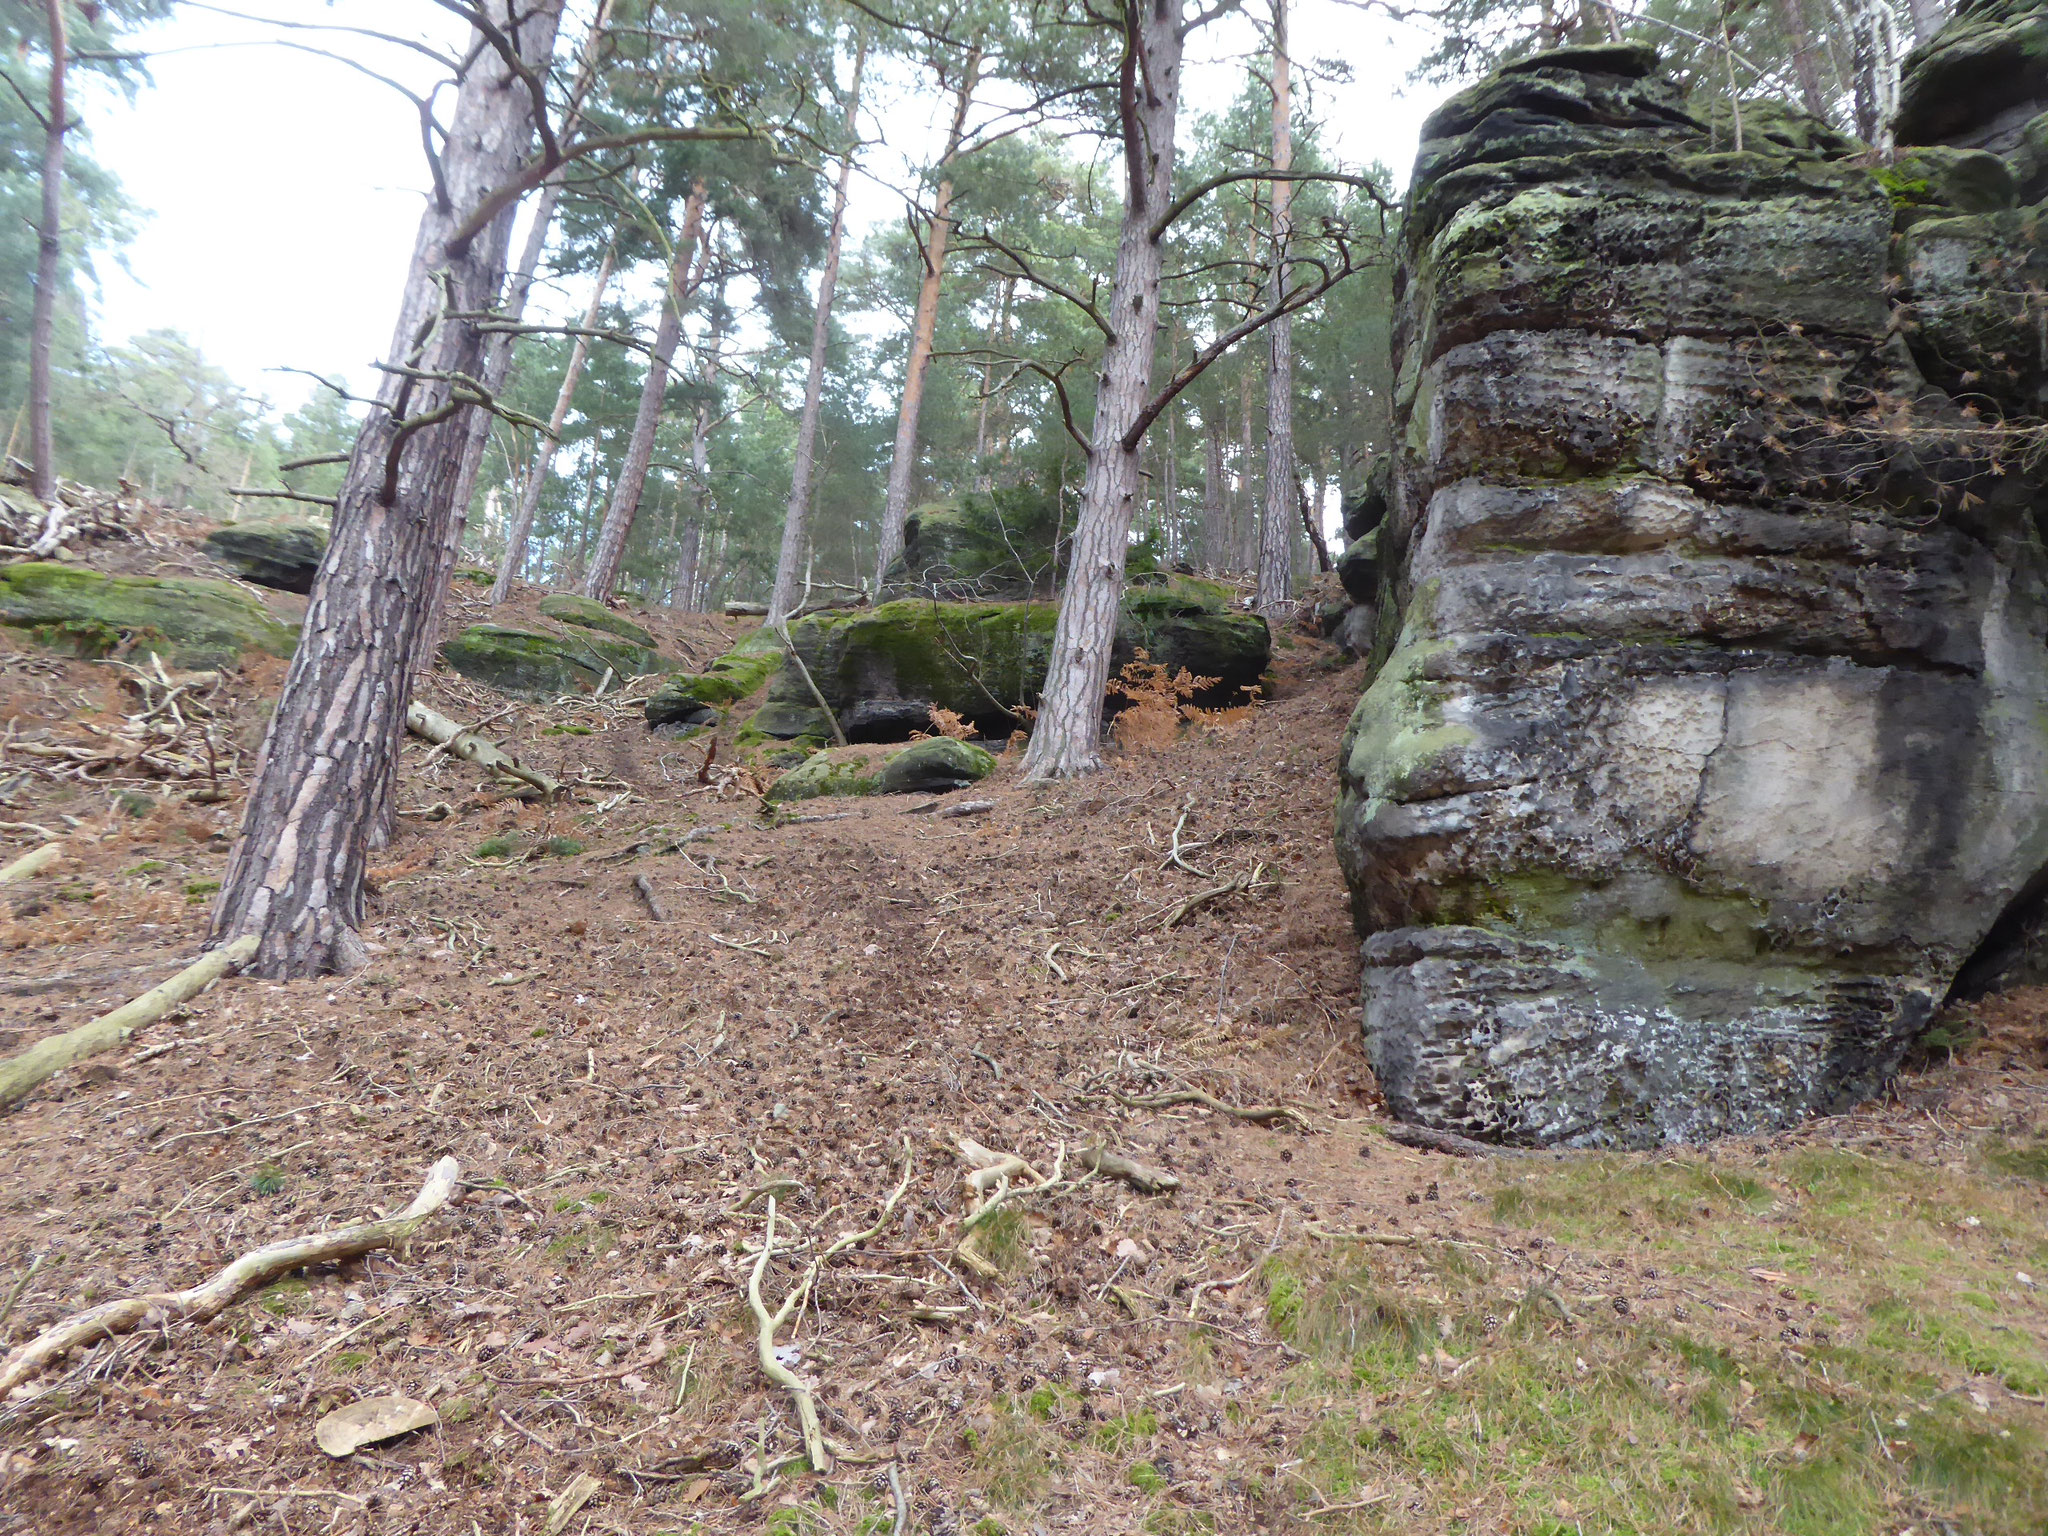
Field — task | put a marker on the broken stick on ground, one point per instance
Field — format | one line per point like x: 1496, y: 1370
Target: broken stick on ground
x: 432, y: 726
x: 250, y: 1271
x: 20, y: 1075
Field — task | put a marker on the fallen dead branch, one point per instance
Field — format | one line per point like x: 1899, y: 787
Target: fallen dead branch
x: 1450, y: 1143
x: 645, y: 887
x: 34, y: 862
x: 1146, y: 1180
x: 992, y: 1178
x: 766, y: 1324
x: 20, y: 1075
x: 966, y: 808
x: 1256, y: 1114
x: 252, y: 1270
x: 1251, y: 883
x: 430, y: 725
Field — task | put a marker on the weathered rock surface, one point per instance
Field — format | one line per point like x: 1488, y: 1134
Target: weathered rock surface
x: 584, y: 613
x: 695, y: 698
x: 1001, y: 545
x: 883, y: 670
x: 280, y: 552
x: 932, y: 766
x: 1710, y: 735
x: 536, y: 664
x: 188, y: 621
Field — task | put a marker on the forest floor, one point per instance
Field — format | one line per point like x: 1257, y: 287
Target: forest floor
x: 1838, y: 1329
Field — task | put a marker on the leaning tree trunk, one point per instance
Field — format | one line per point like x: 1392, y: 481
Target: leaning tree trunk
x: 42, y: 325
x: 796, y: 519
x: 544, y: 452
x: 1276, y: 534
x: 625, y: 506
x: 1066, y: 739
x: 323, y: 778
x: 903, y: 459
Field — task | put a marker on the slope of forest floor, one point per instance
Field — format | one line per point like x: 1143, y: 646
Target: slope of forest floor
x: 1840, y: 1329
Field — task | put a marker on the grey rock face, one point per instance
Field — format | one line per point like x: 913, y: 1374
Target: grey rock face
x: 1711, y: 734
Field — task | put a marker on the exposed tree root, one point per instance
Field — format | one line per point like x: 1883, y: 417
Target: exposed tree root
x: 21, y: 1075
x: 256, y: 1268
x: 766, y: 1324
x: 1252, y: 882
x: 1448, y: 1142
x: 1257, y: 1114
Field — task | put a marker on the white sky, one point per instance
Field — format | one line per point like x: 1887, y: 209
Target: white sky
x: 282, y: 191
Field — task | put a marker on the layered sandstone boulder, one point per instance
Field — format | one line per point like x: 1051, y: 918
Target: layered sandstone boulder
x: 1709, y: 735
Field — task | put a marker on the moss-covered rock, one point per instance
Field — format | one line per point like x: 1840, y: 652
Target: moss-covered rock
x: 280, y: 552
x: 932, y: 766
x: 188, y: 621
x: 883, y: 670
x: 534, y: 664
x: 696, y: 698
x: 570, y: 608
x: 997, y: 545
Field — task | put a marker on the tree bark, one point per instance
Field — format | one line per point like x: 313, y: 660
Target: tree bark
x: 1874, y: 71
x: 1067, y: 736
x: 618, y: 518
x: 1215, y: 494
x: 1276, y: 539
x: 323, y: 779
x: 1928, y: 16
x: 42, y: 325
x: 544, y: 453
x: 684, y: 592
x: 903, y: 462
x: 700, y: 434
x: 796, y: 520
x: 1245, y: 522
x: 498, y: 345
x: 1805, y: 64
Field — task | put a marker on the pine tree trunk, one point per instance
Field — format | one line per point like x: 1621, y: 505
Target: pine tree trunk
x: 1805, y: 63
x: 1276, y: 541
x: 700, y: 428
x: 618, y: 518
x: 903, y: 461
x: 1874, y: 70
x: 683, y: 593
x: 1169, y: 492
x: 498, y: 346
x: 1215, y: 495
x: 1066, y: 739
x: 323, y: 779
x: 796, y: 519
x: 544, y: 452
x: 42, y: 325
x: 1245, y: 523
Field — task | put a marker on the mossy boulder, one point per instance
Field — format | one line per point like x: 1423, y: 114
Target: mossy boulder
x: 535, y: 664
x: 883, y: 671
x: 932, y: 766
x: 188, y: 621
x: 569, y: 608
x: 695, y: 698
x: 1007, y: 544
x: 280, y: 552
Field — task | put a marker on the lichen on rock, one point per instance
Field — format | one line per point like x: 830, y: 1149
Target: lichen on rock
x: 1708, y: 737
x: 188, y: 621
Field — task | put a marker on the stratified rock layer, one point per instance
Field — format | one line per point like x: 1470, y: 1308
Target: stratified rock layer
x: 1710, y: 734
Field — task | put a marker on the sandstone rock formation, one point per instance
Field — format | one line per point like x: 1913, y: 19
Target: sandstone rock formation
x: 1709, y: 735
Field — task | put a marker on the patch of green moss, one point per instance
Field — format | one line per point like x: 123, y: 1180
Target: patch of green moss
x: 502, y: 846
x: 188, y: 621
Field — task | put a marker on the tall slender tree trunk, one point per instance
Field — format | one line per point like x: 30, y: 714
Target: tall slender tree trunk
x: 1169, y: 491
x: 323, y: 779
x: 903, y: 462
x: 1874, y: 70
x: 1215, y: 494
x: 700, y: 427
x: 1067, y: 737
x: 42, y: 325
x: 1276, y: 539
x: 544, y: 452
x: 1805, y: 58
x: 1245, y: 522
x: 796, y: 519
x: 683, y: 591
x: 998, y: 333
x: 498, y: 346
x: 618, y: 517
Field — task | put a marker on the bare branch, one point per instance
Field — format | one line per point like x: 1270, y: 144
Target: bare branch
x: 1188, y: 199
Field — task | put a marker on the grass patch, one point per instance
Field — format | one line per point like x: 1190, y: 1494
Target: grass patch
x: 2028, y: 1161
x: 1014, y: 1457
x: 503, y: 846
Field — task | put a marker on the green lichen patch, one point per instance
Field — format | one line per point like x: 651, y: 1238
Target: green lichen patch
x: 923, y: 767
x: 569, y: 608
x: 535, y: 664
